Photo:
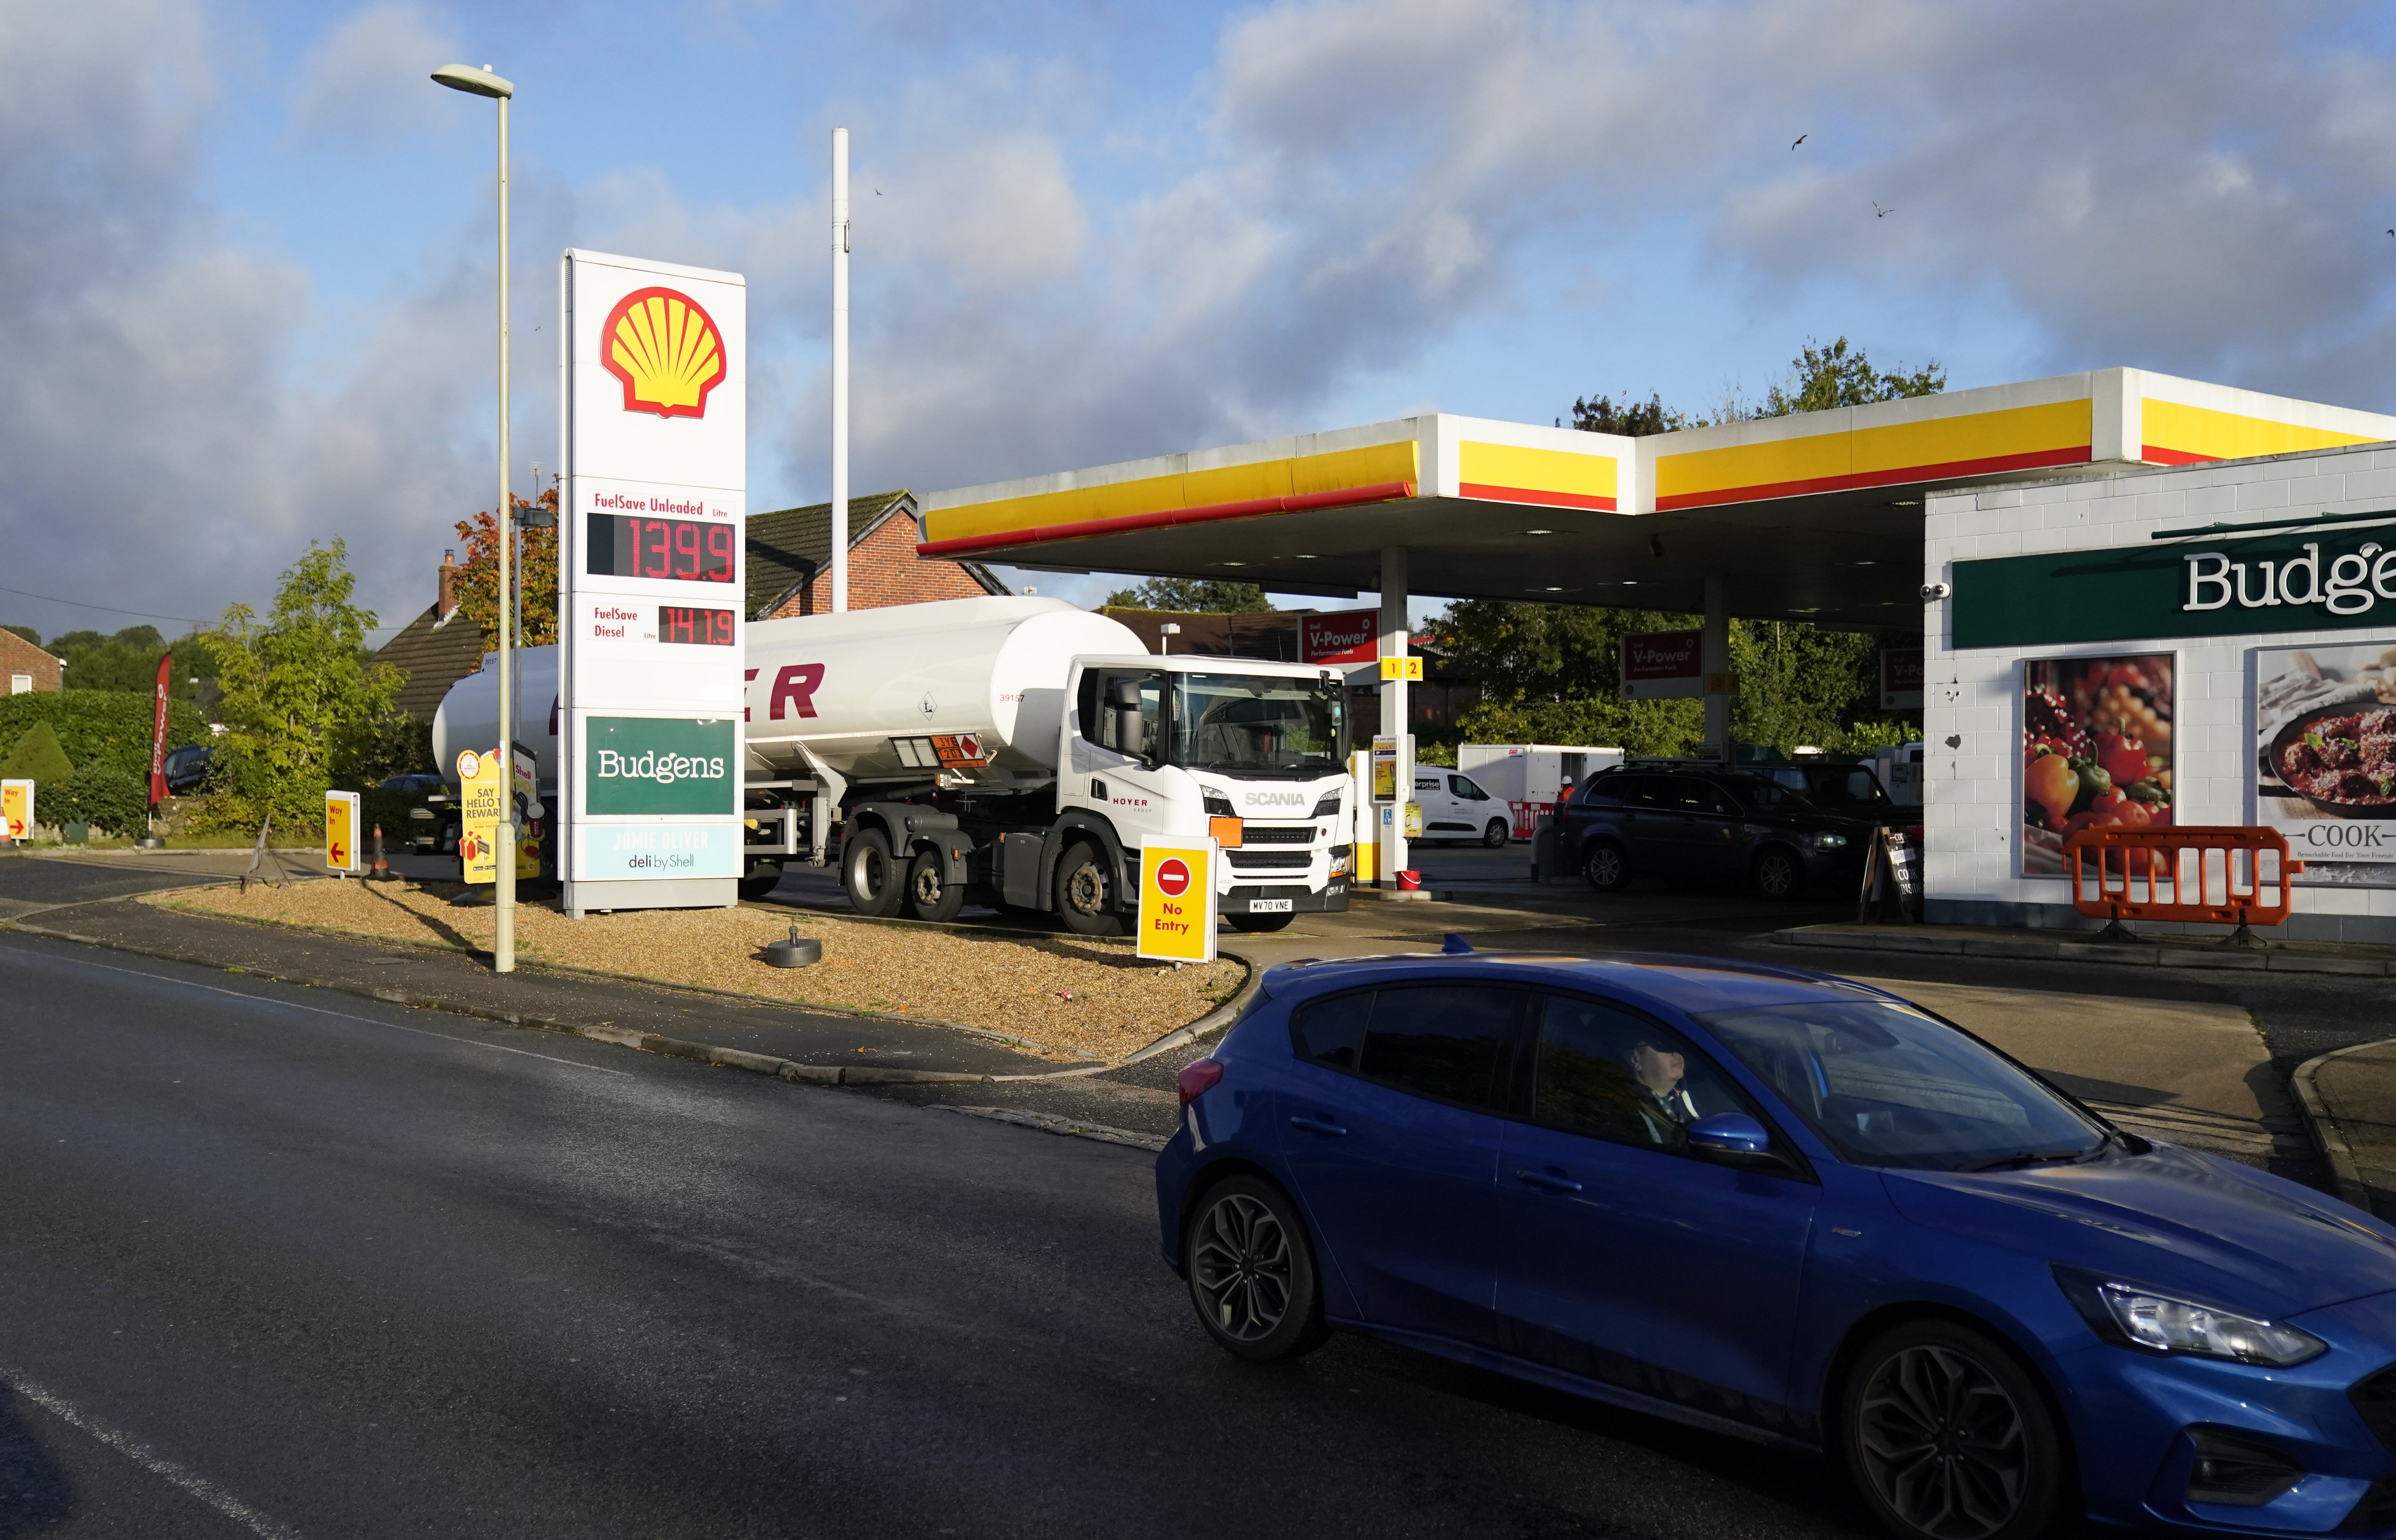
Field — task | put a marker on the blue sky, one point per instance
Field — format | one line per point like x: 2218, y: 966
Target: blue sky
x: 247, y: 280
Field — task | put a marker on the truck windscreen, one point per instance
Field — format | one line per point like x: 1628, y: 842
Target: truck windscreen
x: 1250, y: 725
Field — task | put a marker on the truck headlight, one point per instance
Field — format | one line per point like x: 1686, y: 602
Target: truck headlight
x: 2133, y: 1315
x: 1339, y: 859
x: 1831, y: 842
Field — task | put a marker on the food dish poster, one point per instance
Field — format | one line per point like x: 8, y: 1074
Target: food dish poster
x: 2324, y: 765
x: 2096, y: 749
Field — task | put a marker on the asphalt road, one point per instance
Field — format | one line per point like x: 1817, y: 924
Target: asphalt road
x: 277, y: 1263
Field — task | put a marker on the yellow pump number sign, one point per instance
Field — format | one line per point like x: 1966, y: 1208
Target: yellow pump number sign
x: 1177, y: 900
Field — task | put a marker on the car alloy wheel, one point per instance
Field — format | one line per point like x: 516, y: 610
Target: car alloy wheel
x: 1252, y: 1271
x: 1497, y: 834
x: 1240, y: 1266
x: 1950, y: 1439
x: 1606, y: 869
x: 1777, y: 875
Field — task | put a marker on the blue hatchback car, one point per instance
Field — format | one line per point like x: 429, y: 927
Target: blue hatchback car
x: 1792, y: 1208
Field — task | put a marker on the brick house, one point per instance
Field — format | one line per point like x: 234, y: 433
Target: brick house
x: 436, y: 649
x: 790, y: 560
x: 27, y: 667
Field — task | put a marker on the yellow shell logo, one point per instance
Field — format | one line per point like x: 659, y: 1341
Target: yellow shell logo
x: 665, y: 349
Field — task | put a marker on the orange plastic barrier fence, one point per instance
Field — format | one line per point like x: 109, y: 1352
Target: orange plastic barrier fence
x: 2218, y: 875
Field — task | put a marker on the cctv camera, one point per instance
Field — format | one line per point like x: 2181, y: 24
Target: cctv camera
x: 1937, y: 590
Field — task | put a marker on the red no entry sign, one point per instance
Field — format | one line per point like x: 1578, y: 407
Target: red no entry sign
x: 1172, y: 877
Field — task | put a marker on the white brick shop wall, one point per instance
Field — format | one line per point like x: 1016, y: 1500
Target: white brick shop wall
x: 1974, y: 814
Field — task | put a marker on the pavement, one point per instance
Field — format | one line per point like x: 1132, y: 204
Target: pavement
x: 285, y: 1263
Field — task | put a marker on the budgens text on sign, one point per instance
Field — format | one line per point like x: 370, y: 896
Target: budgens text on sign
x: 659, y: 765
x: 2302, y: 581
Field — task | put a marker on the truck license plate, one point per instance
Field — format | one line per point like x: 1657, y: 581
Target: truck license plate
x: 1272, y: 906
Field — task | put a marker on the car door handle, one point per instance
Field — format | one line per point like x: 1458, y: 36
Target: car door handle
x: 1318, y: 1125
x: 1551, y: 1180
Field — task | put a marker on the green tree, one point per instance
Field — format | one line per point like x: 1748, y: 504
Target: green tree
x: 129, y: 660
x: 1829, y: 376
x: 302, y: 698
x: 1191, y: 596
x: 1631, y: 419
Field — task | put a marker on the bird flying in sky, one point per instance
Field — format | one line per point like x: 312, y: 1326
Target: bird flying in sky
x: 1880, y: 213
x: 1799, y: 139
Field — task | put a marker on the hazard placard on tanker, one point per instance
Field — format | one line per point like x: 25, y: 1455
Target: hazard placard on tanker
x: 1177, y: 900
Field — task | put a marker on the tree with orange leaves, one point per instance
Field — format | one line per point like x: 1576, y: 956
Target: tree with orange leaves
x: 478, y: 578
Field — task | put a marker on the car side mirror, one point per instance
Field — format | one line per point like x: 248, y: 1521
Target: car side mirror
x: 1735, y: 1138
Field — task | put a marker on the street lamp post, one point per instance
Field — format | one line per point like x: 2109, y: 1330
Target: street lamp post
x: 483, y: 83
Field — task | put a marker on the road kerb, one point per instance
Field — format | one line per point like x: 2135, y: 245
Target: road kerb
x: 2323, y: 1125
x: 727, y: 1058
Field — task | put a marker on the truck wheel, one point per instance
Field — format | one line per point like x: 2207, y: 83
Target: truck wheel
x: 1085, y: 892
x: 1498, y: 833
x: 1258, y: 924
x: 929, y: 895
x: 871, y: 876
x: 764, y: 878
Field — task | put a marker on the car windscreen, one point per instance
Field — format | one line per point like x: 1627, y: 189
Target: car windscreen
x: 1885, y: 1085
x: 1255, y: 725
x: 1782, y: 793
x: 1846, y: 788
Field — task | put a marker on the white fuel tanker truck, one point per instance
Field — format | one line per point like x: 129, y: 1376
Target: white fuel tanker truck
x: 1014, y: 751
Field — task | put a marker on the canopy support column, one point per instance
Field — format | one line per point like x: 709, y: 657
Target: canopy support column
x: 1391, y: 819
x: 1714, y: 659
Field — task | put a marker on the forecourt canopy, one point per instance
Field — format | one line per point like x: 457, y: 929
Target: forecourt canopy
x: 1816, y: 516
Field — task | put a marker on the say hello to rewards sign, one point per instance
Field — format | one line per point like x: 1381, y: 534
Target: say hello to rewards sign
x: 652, y: 570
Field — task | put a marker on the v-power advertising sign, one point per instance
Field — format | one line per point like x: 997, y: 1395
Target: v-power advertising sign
x: 651, y: 572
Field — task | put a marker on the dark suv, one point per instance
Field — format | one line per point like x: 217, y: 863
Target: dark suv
x: 1709, y: 824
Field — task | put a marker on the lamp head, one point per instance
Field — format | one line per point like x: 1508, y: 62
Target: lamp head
x: 482, y: 82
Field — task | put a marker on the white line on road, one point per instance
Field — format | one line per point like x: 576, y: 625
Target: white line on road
x: 156, y: 1464
x: 344, y: 1016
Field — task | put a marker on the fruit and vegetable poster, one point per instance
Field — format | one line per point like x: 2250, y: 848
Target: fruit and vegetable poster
x: 2325, y: 759
x: 2096, y: 749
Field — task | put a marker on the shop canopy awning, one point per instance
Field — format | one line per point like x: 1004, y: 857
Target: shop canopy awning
x: 1816, y: 516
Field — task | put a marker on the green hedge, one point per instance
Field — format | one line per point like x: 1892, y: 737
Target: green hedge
x: 100, y: 728
x: 106, y: 796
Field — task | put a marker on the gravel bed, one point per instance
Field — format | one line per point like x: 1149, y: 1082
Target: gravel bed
x: 1069, y: 997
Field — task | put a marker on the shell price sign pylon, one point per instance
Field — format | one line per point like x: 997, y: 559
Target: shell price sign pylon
x: 652, y: 570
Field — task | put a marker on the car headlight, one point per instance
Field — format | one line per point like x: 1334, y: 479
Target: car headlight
x: 1339, y: 860
x: 1831, y: 842
x: 2133, y: 1315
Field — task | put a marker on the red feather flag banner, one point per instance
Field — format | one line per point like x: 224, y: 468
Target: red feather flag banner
x: 158, y: 734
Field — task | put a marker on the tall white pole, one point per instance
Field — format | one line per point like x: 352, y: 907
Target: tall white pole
x: 503, y: 929
x: 839, y: 370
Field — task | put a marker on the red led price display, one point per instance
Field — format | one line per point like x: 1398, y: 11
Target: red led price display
x: 702, y: 628
x: 686, y: 549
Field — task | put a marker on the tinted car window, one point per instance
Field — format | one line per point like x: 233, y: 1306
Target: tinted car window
x: 1329, y: 1031
x: 1446, y: 1041
x: 1759, y: 795
x: 1630, y: 789
x: 1462, y: 786
x: 1613, y: 1074
x: 1889, y: 1086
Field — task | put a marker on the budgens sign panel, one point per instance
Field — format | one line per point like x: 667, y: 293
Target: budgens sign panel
x: 652, y: 568
x: 2320, y: 577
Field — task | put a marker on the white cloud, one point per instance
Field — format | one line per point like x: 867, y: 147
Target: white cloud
x: 366, y: 79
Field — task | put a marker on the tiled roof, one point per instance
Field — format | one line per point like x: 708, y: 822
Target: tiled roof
x: 789, y: 545
x: 435, y: 655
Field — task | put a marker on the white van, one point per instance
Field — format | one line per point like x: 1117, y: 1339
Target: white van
x: 1455, y: 808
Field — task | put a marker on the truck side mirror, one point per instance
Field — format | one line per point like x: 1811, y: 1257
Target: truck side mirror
x: 1123, y: 699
